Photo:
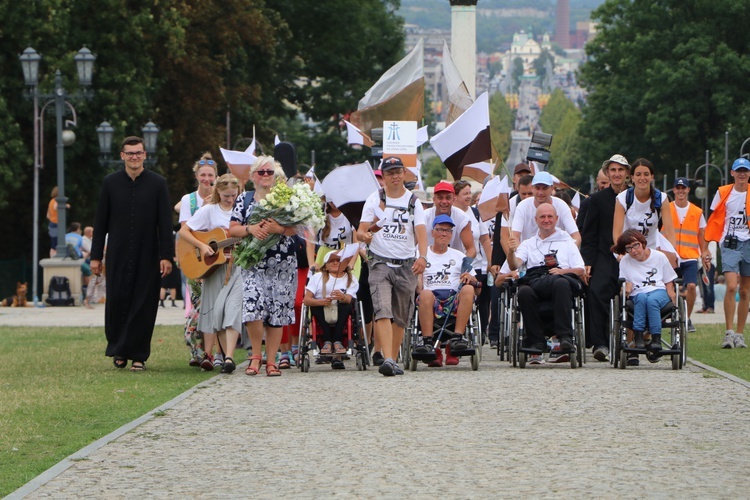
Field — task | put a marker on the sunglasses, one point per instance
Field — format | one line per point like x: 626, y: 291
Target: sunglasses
x: 265, y: 172
x: 206, y: 162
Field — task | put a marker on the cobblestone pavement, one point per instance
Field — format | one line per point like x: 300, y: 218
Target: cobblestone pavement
x: 545, y: 431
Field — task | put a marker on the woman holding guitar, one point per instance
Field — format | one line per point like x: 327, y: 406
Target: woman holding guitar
x: 221, y: 296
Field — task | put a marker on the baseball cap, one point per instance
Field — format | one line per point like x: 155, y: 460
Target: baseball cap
x: 442, y: 219
x: 741, y: 163
x: 444, y: 187
x: 681, y: 181
x: 521, y: 167
x: 542, y: 178
x: 391, y: 162
x: 328, y: 256
x: 616, y: 159
x: 378, y: 173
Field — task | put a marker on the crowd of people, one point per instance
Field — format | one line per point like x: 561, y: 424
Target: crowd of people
x: 438, y: 258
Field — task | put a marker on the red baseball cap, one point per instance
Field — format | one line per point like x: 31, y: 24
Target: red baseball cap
x: 444, y: 187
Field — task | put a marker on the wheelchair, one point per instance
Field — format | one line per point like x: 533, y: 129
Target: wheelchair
x: 443, y: 329
x: 354, y: 339
x: 673, y: 319
x: 518, y: 354
x: 504, y: 306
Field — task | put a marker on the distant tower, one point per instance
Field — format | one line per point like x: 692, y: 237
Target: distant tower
x: 464, y: 40
x: 562, y: 24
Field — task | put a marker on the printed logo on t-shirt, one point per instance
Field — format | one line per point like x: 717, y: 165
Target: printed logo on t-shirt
x: 738, y: 222
x: 442, y: 277
x: 649, y: 281
x: 645, y: 224
x: 395, y: 229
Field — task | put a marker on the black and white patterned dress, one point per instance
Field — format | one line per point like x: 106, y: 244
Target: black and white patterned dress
x: 270, y: 286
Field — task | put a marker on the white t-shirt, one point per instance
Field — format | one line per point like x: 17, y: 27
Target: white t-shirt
x: 640, y: 217
x: 396, y: 239
x: 524, y: 219
x: 443, y: 270
x: 185, y: 206
x: 478, y: 229
x: 315, y: 285
x: 209, y: 217
x: 340, y: 233
x: 532, y: 251
x: 649, y: 275
x: 460, y: 219
x: 735, y: 221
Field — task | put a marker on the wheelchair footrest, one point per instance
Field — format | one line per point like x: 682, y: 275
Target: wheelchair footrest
x: 531, y: 350
x: 427, y: 357
x: 465, y: 352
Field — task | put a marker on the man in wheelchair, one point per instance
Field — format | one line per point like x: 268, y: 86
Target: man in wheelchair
x: 443, y: 291
x: 554, y: 268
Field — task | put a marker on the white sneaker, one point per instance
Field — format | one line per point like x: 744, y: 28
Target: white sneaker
x: 739, y: 340
x: 728, y: 340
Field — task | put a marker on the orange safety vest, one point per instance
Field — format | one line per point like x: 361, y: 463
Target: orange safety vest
x: 686, y: 233
x: 715, y: 225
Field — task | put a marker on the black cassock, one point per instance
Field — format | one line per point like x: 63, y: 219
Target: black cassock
x: 135, y: 216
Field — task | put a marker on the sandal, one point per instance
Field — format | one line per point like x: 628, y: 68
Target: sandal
x: 339, y: 348
x: 120, y: 362
x: 272, y: 370
x: 228, y: 366
x: 326, y: 349
x: 284, y: 363
x: 138, y: 366
x: 253, y: 370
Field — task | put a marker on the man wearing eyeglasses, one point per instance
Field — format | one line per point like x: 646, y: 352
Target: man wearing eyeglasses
x: 133, y: 217
x: 441, y: 295
x: 728, y: 226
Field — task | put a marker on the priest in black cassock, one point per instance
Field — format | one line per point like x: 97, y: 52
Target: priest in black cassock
x: 134, y: 219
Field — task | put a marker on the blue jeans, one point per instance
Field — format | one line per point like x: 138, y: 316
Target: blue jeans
x: 708, y: 290
x: 647, y: 306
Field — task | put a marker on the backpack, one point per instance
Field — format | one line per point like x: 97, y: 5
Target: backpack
x: 655, y: 202
x: 59, y: 292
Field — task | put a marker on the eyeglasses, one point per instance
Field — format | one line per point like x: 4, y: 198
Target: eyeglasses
x: 265, y: 172
x: 133, y: 154
x: 443, y: 229
x: 742, y: 171
x: 206, y: 162
x: 634, y: 246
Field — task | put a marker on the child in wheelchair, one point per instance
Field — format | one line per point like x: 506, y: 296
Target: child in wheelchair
x: 649, y: 283
x: 329, y: 295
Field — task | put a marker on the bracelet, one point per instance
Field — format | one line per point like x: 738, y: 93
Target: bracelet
x: 247, y: 229
x: 422, y: 257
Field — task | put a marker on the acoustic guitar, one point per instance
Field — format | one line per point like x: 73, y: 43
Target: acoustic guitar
x: 192, y: 263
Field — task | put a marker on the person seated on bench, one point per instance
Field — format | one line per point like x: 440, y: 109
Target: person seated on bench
x: 649, y: 283
x: 441, y: 294
x: 554, y: 266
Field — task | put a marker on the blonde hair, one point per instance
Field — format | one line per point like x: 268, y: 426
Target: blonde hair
x: 206, y: 158
x: 222, y: 183
x: 278, y: 172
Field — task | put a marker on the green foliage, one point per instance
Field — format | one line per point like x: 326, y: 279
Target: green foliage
x: 540, y: 63
x: 433, y: 170
x: 502, y: 119
x: 561, y: 118
x: 666, y: 79
x: 517, y: 73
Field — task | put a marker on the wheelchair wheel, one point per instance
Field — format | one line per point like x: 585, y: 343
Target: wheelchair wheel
x: 475, y: 326
x: 360, y: 363
x: 475, y: 360
x: 615, y: 335
x: 513, y: 338
x: 306, y: 363
x: 521, y: 360
x: 623, y: 360
x: 683, y: 331
x: 501, y: 323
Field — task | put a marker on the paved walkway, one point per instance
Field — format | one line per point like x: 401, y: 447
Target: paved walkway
x: 545, y: 431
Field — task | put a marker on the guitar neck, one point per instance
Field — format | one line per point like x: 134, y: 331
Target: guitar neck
x: 227, y: 242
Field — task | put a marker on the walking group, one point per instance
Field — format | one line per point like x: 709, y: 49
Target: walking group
x: 413, y: 269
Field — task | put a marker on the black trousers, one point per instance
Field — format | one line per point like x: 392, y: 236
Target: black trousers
x: 554, y: 288
x: 332, y: 333
x: 602, y: 287
x: 483, y: 301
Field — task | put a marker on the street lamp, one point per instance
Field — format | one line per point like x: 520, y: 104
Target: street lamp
x: 105, y: 132
x: 30, y: 60
x: 702, y: 191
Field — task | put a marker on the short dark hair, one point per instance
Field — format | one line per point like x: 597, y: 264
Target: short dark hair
x: 74, y: 226
x: 626, y: 238
x: 132, y: 141
x: 526, y: 180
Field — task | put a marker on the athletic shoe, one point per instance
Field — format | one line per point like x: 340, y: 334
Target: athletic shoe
x: 739, y: 340
x: 388, y: 368
x: 633, y: 360
x: 567, y: 344
x: 377, y: 358
x: 494, y: 343
x: 194, y: 362
x: 652, y: 357
x: 601, y: 353
x: 728, y: 340
x: 691, y: 328
x: 536, y: 359
x: 557, y: 357
x: 337, y: 364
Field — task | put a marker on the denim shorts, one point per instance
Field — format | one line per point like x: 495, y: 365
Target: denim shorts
x: 736, y: 261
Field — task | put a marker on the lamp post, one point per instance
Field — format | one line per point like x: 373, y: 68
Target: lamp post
x: 105, y: 132
x: 702, y: 192
x: 30, y: 60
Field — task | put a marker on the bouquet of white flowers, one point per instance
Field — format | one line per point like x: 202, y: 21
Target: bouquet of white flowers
x: 296, y: 206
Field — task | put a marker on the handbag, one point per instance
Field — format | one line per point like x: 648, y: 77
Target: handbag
x: 331, y: 311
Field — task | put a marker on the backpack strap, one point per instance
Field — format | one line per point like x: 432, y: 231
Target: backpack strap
x: 411, y: 206
x: 193, y: 202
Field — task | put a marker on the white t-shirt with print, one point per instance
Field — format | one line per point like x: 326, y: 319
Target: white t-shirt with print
x: 735, y: 221
x: 648, y: 275
x: 315, y: 285
x: 443, y: 270
x: 396, y: 239
x: 478, y: 229
x: 641, y: 218
x: 340, y: 233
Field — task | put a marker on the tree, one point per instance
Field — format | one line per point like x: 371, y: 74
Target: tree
x: 433, y: 170
x: 666, y: 78
x: 540, y: 63
x: 555, y: 111
x: 501, y: 124
x: 517, y: 73
x: 561, y: 118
